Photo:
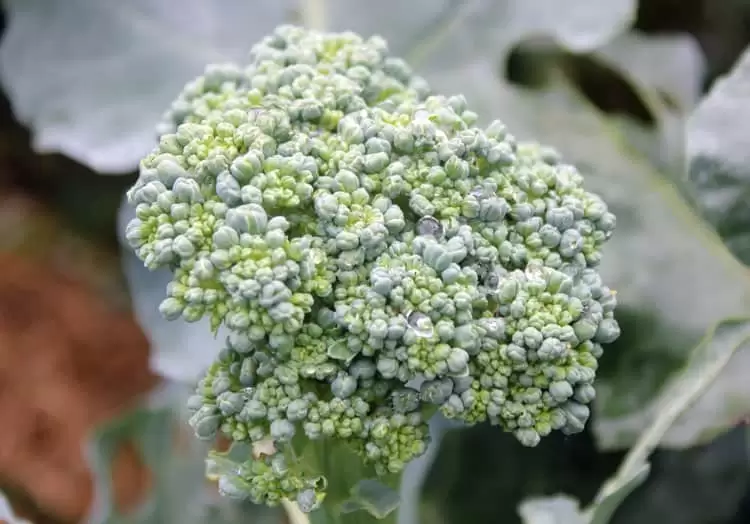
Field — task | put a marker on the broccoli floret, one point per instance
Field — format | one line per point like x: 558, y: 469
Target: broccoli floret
x: 375, y: 255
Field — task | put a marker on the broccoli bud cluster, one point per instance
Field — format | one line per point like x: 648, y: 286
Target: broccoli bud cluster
x: 375, y: 255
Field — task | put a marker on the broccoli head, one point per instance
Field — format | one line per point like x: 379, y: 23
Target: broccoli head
x: 376, y: 256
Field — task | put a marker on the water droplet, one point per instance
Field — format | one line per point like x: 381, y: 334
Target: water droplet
x: 493, y: 324
x: 420, y: 323
x: 478, y: 192
x: 429, y: 226
x: 492, y: 279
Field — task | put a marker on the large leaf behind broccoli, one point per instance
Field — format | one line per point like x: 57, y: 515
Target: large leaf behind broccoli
x: 718, y: 148
x: 95, y: 86
x: 180, y: 494
x: 92, y: 77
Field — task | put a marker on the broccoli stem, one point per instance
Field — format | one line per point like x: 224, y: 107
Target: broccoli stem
x: 344, y: 472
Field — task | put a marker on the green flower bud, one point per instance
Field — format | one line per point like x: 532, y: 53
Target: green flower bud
x: 405, y: 400
x: 247, y: 218
x: 230, y: 403
x: 585, y: 329
x: 205, y: 422
x: 344, y: 386
x: 187, y: 190
x: 171, y: 308
x: 527, y: 437
x: 561, y: 391
x: 607, y: 332
x: 282, y: 430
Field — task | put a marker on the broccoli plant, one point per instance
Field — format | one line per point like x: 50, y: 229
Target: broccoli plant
x: 363, y: 253
x: 376, y: 257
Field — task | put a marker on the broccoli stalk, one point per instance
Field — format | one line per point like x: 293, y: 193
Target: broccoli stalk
x: 376, y: 256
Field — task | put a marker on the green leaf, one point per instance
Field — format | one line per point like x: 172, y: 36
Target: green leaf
x: 372, y: 496
x: 666, y: 72
x: 96, y: 90
x: 670, y: 65
x: 692, y: 486
x: 180, y: 494
x: 562, y: 509
x: 719, y: 164
x: 353, y: 495
x: 614, y: 494
x: 682, y: 393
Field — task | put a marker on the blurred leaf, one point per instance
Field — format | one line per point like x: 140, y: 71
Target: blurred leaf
x: 670, y: 66
x: 719, y: 156
x: 603, y: 509
x: 667, y: 71
x: 692, y: 486
x: 373, y: 497
x: 68, y: 362
x: 562, y: 509
x: 578, y: 25
x: 96, y: 85
x: 705, y: 366
x: 180, y: 493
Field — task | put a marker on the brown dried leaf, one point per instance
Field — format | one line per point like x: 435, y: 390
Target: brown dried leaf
x: 67, y: 363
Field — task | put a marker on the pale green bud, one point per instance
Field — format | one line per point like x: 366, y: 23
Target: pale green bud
x: 248, y: 218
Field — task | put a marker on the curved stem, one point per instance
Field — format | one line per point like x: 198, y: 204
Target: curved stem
x: 449, y: 20
x: 313, y: 14
x: 687, y: 389
x: 293, y: 513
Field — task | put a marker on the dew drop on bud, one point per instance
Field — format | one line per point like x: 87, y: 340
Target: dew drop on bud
x: 429, y: 226
x: 477, y: 192
x: 420, y: 323
x: 492, y: 279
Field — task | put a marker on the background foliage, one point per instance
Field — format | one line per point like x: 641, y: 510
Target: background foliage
x: 650, y: 99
